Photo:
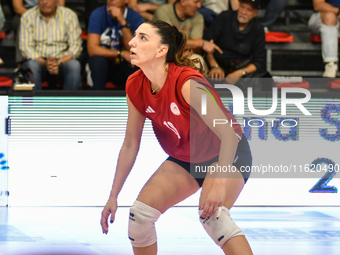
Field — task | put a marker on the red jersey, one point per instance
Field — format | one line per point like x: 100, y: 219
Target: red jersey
x: 178, y: 127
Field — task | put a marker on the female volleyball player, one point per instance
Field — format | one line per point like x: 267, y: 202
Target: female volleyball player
x: 168, y: 90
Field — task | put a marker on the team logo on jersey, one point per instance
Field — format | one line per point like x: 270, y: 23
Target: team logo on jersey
x: 170, y: 126
x: 174, y: 109
x: 150, y: 110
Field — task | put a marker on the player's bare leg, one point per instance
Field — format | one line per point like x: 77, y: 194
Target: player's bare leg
x: 167, y: 187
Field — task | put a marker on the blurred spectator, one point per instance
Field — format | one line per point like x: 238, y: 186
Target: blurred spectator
x: 147, y: 8
x: 273, y: 11
x: 242, y: 39
x: 183, y: 14
x: 20, y: 7
x: 111, y: 27
x: 326, y: 23
x: 211, y: 8
x: 2, y: 17
x: 2, y: 22
x: 50, y: 40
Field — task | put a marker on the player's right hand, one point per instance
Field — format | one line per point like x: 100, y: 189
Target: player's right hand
x: 109, y: 209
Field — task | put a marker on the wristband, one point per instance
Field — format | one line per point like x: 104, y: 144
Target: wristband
x: 244, y: 72
x: 118, y: 58
x: 215, y: 66
x: 126, y: 25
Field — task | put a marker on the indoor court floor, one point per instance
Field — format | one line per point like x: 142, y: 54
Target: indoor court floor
x: 76, y: 231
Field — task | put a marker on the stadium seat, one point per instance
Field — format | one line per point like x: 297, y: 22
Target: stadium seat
x: 279, y: 37
x: 5, y: 81
x: 333, y: 84
x: 110, y: 85
x: 304, y: 84
x: 316, y: 38
x: 84, y: 35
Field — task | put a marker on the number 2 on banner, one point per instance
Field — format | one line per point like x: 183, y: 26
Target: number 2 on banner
x: 321, y: 185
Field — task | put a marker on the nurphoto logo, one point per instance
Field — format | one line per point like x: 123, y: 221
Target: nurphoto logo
x: 238, y: 104
x: 238, y: 100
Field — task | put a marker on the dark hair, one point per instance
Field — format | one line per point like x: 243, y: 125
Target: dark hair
x: 176, y: 41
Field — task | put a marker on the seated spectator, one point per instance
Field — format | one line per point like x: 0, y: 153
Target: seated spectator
x: 2, y: 23
x: 147, y: 8
x: 326, y: 24
x: 183, y: 14
x: 273, y: 11
x: 242, y: 40
x: 211, y: 8
x: 110, y: 29
x: 20, y: 7
x: 50, y: 40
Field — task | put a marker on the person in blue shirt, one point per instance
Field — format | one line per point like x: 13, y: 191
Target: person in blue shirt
x: 110, y: 29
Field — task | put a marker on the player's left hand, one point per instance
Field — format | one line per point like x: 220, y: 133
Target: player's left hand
x: 214, y: 199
